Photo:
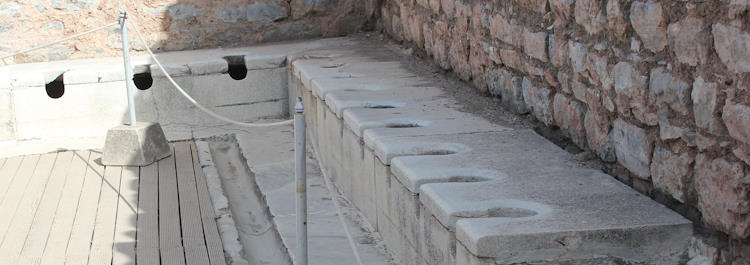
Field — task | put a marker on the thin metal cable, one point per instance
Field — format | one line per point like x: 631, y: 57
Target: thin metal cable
x: 193, y: 101
x: 59, y: 41
x: 334, y: 200
x: 329, y: 184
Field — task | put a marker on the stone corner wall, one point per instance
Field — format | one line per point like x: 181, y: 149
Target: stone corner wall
x: 657, y: 89
x: 170, y: 25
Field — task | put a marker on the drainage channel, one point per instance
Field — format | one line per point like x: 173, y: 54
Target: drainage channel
x: 260, y: 241
x: 255, y: 169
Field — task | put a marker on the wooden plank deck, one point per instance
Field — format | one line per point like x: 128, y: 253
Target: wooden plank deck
x: 66, y: 208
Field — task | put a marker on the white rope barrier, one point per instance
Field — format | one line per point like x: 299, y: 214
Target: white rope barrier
x: 193, y: 101
x: 59, y: 41
x: 329, y: 183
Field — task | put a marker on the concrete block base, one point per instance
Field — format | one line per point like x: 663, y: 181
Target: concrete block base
x: 138, y: 145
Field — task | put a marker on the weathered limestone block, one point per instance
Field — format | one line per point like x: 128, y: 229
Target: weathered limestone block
x: 733, y: 46
x: 667, y: 90
x: 538, y: 100
x: 504, y: 84
x: 480, y: 18
x: 478, y: 61
x: 737, y: 7
x: 263, y: 62
x: 616, y: 19
x: 511, y: 59
x: 580, y: 90
x: 670, y: 172
x: 562, y: 9
x: 598, y: 136
x: 590, y: 15
x: 569, y: 115
x: 414, y: 28
x: 448, y: 7
x: 505, y: 30
x: 397, y: 29
x: 649, y: 22
x: 532, y: 70
x: 631, y: 89
x: 435, y: 6
x: 539, y: 6
x: 668, y: 129
x: 183, y: 11
x: 598, y: 71
x: 550, y: 78
x: 173, y: 70
x: 633, y: 147
x: 535, y: 44
x: 704, y: 97
x: 41, y: 117
x: 428, y: 37
x: 135, y: 145
x: 441, y: 42
x: 685, y: 38
x: 742, y: 151
x: 438, y: 243
x: 564, y: 80
x: 737, y: 119
x: 405, y: 210
x: 723, y: 192
x: 465, y: 257
x: 463, y: 14
x: 558, y: 50
x: 215, y: 66
x: 458, y: 55
x: 577, y: 52
x: 262, y: 11
x: 301, y: 8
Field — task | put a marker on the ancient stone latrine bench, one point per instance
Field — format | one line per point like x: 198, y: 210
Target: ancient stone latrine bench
x: 446, y: 187
x: 84, y: 98
x: 441, y: 186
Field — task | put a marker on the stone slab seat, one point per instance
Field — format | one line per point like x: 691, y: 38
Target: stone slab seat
x: 341, y: 68
x: 321, y: 87
x: 391, y: 99
x: 514, y: 197
x: 447, y: 187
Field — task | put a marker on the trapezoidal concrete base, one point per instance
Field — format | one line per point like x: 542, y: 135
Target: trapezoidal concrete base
x: 138, y: 145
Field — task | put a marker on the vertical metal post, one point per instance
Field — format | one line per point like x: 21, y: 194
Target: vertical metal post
x: 128, y: 68
x: 300, y: 176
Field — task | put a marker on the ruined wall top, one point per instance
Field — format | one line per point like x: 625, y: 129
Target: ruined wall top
x: 170, y: 24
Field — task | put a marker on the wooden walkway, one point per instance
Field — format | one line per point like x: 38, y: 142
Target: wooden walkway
x: 65, y: 208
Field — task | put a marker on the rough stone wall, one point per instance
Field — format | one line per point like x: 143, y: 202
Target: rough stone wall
x: 657, y: 89
x: 170, y: 24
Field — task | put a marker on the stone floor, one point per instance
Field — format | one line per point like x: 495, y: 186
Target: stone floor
x: 66, y: 208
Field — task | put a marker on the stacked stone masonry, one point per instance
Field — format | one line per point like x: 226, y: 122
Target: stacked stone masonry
x: 170, y: 25
x: 659, y: 87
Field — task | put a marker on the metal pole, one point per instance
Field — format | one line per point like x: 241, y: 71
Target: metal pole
x: 300, y: 176
x: 128, y: 69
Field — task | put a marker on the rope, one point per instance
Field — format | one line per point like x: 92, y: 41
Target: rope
x: 59, y: 41
x: 193, y: 101
x: 334, y: 200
